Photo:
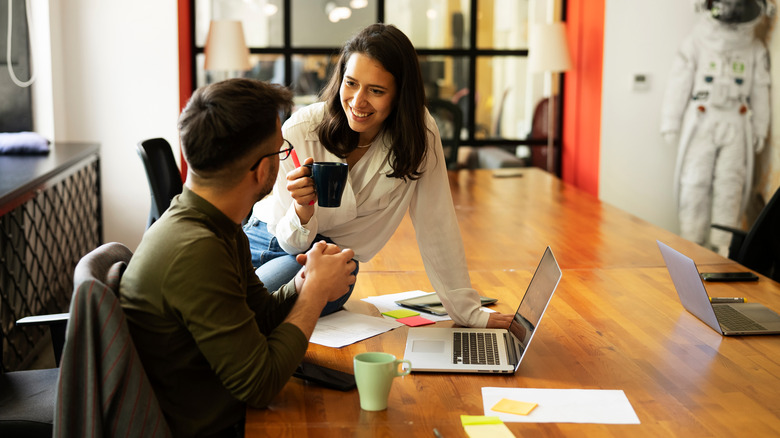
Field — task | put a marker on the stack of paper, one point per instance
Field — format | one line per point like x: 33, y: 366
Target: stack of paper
x: 343, y: 328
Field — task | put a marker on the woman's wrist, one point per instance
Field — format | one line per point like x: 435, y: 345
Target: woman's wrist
x: 304, y: 213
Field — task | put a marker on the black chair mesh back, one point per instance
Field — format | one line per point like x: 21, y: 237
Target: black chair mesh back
x: 761, y: 249
x: 162, y: 173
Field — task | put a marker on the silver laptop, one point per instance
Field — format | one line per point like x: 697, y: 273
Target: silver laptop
x: 728, y: 319
x: 483, y: 350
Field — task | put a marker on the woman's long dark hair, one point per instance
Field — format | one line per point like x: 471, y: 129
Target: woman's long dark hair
x: 406, y: 123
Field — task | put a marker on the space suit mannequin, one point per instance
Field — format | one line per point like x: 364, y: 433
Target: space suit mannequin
x: 716, y: 108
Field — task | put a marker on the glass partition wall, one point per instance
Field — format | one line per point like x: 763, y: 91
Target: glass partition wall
x: 472, y: 52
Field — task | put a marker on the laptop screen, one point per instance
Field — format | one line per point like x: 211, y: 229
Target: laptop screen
x: 535, y: 301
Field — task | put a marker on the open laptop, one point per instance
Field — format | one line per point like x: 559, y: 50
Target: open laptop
x: 728, y: 319
x: 483, y: 350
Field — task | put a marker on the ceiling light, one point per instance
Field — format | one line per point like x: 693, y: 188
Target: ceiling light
x: 337, y: 13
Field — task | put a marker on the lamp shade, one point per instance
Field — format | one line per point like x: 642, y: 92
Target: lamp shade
x: 549, y: 51
x: 226, y: 48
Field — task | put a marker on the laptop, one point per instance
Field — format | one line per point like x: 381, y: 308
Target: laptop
x: 483, y: 350
x: 728, y: 319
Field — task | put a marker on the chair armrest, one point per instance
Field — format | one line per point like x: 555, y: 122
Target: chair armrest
x: 731, y: 230
x: 57, y: 323
x: 54, y: 318
x: 737, y: 239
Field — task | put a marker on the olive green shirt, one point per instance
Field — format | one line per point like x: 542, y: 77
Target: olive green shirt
x: 209, y: 335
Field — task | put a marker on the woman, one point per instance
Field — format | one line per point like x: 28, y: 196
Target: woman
x: 372, y: 117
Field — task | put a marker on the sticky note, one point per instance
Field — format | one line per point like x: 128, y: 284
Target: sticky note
x: 414, y: 321
x: 400, y: 313
x: 480, y: 426
x: 489, y: 431
x: 514, y: 407
x: 471, y: 420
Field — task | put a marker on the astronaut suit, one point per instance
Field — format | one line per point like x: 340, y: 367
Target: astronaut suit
x: 717, y: 106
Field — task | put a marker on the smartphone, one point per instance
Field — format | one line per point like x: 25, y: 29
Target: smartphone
x: 324, y: 376
x: 729, y: 276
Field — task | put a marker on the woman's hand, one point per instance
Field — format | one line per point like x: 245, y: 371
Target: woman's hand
x: 301, y: 188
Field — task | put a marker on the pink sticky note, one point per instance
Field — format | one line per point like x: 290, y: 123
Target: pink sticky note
x: 414, y: 321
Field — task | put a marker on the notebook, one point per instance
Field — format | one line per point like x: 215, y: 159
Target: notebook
x: 728, y: 319
x: 483, y: 350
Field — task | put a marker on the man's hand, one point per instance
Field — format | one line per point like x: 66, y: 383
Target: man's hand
x: 326, y: 275
x: 327, y: 269
x: 301, y: 188
x: 499, y: 320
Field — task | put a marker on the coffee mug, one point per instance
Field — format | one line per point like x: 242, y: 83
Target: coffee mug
x: 374, y: 374
x: 329, y: 182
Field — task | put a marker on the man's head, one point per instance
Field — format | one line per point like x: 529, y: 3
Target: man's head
x: 227, y: 126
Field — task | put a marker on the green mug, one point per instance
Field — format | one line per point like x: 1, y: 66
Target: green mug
x: 374, y: 374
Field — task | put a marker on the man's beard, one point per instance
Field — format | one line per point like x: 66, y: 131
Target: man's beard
x: 269, y: 185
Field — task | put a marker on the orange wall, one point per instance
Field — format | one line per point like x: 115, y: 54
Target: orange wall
x: 185, y: 58
x: 582, y: 94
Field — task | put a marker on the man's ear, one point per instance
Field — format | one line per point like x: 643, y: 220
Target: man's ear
x: 263, y: 169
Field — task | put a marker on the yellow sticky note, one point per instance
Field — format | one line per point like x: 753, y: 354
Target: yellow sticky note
x: 514, y: 407
x: 401, y: 313
x: 471, y: 420
x: 488, y: 431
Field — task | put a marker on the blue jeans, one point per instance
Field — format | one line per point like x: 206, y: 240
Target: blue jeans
x: 276, y: 268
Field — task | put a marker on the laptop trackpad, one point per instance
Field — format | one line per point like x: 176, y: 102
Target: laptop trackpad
x: 428, y: 346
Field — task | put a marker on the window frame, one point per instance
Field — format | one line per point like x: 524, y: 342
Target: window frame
x: 472, y: 53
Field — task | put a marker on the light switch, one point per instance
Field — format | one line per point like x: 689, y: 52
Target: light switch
x: 641, y: 82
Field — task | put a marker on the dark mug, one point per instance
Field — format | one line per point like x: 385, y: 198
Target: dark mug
x: 329, y: 182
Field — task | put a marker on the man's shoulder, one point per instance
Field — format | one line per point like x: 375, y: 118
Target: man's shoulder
x: 174, y: 239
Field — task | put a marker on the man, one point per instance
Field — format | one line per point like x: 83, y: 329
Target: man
x: 210, y: 337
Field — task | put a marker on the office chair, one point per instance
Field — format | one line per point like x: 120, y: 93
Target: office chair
x: 449, y: 119
x: 27, y: 401
x: 162, y: 173
x: 27, y: 398
x: 759, y: 248
x: 102, y: 387
x: 539, y: 128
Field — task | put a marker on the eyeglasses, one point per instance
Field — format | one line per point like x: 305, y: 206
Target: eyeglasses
x: 283, y: 154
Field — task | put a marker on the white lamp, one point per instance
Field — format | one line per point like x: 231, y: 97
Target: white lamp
x: 549, y: 53
x: 226, y: 48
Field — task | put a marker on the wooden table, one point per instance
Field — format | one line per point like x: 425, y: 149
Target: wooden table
x: 614, y: 323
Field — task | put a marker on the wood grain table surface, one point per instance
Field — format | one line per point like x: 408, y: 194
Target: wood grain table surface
x: 615, y: 322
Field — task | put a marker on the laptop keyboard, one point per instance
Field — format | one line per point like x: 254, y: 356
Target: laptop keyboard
x: 475, y: 348
x: 735, y: 321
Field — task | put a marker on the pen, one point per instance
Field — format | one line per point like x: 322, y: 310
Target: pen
x: 718, y: 300
x: 436, y: 433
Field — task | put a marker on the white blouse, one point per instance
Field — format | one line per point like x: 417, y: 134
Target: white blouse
x: 373, y: 206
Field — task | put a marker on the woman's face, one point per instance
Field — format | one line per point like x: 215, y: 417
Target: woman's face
x: 367, y: 95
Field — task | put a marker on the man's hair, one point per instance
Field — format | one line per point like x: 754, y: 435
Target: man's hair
x: 406, y: 123
x: 225, y: 122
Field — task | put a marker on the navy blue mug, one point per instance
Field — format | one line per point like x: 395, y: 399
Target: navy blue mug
x: 329, y: 182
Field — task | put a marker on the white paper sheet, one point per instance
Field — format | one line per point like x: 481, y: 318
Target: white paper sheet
x: 343, y: 328
x: 564, y: 405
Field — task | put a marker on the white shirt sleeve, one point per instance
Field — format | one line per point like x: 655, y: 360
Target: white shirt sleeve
x: 439, y: 239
